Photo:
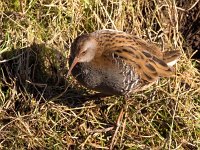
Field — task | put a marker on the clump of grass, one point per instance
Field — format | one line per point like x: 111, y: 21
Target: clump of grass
x: 40, y: 109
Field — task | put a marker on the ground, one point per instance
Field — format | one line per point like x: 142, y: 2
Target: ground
x: 41, y: 109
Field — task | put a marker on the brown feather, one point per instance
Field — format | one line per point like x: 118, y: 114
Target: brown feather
x: 115, y: 62
x: 145, y: 57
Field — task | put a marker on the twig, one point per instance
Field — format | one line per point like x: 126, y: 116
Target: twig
x: 15, y: 57
x: 117, y: 128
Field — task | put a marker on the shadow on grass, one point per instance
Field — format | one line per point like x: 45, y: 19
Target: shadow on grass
x: 40, y: 71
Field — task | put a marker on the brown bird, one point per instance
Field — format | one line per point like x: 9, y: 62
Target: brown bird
x: 117, y: 63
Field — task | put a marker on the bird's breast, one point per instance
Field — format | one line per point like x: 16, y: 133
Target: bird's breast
x: 107, y: 75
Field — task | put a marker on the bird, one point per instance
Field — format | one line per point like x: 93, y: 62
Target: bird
x: 118, y: 63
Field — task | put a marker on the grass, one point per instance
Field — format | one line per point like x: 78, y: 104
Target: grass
x: 40, y: 109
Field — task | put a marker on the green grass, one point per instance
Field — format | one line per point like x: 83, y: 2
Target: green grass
x: 41, y: 109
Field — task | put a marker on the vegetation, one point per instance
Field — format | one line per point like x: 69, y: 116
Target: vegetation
x: 41, y: 109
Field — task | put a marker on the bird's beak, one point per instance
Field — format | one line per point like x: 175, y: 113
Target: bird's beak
x: 75, y: 61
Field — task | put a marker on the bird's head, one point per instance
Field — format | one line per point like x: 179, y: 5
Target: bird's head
x: 83, y: 49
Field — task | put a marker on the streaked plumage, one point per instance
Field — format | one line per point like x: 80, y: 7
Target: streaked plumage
x: 117, y: 63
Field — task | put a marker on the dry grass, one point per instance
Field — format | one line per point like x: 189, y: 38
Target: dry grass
x: 40, y: 109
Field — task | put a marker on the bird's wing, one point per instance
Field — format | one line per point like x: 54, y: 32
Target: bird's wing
x: 149, y: 66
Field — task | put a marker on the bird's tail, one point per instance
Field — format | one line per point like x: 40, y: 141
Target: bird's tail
x: 171, y: 57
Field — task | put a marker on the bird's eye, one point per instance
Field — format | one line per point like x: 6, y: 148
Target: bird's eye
x: 83, y: 53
